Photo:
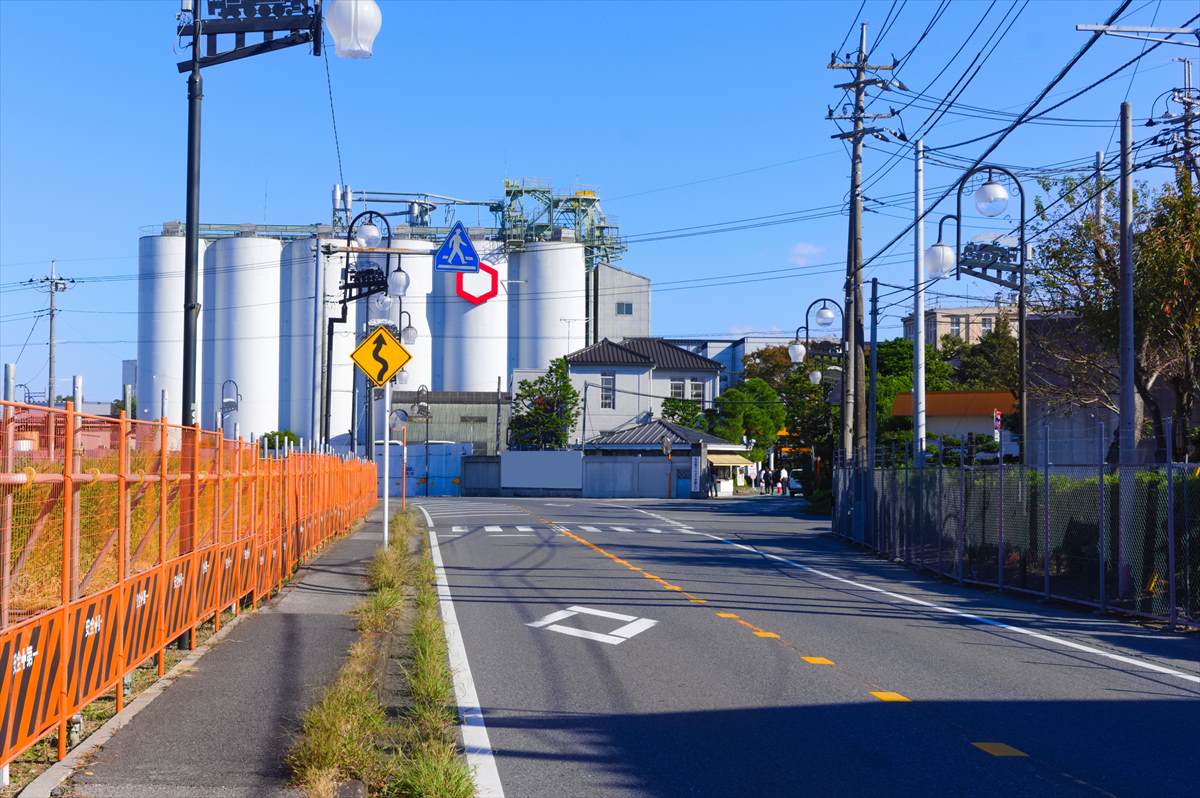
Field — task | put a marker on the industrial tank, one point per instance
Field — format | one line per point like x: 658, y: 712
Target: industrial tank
x: 548, y: 302
x: 416, y: 303
x: 206, y: 391
x: 472, y: 342
x: 245, y: 335
x: 297, y: 267
x: 160, y: 325
x: 345, y: 338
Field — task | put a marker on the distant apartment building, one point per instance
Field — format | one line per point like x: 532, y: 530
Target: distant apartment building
x: 966, y: 323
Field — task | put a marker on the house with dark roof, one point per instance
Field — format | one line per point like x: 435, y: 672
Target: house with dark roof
x: 626, y: 381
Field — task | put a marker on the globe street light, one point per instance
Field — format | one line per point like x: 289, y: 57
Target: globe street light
x: 825, y: 316
x: 993, y: 261
x: 354, y: 24
x: 408, y: 334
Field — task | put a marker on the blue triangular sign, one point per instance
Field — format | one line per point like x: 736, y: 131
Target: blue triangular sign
x: 457, y: 253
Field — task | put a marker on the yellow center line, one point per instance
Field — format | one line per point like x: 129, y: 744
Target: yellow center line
x: 888, y: 695
x: 999, y: 749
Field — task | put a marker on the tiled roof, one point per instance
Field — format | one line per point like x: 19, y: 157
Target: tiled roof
x: 606, y: 353
x: 651, y: 434
x: 668, y: 356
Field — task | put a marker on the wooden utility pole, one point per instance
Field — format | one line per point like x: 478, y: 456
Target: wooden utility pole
x: 854, y: 410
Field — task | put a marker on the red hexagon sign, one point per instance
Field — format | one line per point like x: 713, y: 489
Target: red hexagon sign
x: 478, y: 299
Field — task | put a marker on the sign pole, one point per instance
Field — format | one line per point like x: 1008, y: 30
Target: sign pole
x: 387, y: 458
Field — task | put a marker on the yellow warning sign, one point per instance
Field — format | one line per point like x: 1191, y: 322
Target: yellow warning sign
x: 380, y: 356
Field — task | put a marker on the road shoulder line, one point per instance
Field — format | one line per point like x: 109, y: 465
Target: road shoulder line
x: 476, y: 744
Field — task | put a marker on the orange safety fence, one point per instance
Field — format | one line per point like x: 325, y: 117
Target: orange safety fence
x: 120, y: 536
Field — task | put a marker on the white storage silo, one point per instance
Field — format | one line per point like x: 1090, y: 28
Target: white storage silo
x: 549, y: 302
x: 296, y: 304
x: 416, y: 303
x: 160, y: 326
x: 472, y: 338
x: 206, y: 393
x: 245, y: 332
x: 342, y: 369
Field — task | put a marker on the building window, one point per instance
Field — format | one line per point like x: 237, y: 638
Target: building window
x: 624, y: 308
x: 987, y: 323
x: 608, y: 390
x: 698, y: 391
x: 956, y: 326
x: 677, y: 389
x: 909, y: 330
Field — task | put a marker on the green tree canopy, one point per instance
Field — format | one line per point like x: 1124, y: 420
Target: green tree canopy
x: 545, y: 410
x: 754, y: 410
x: 684, y: 412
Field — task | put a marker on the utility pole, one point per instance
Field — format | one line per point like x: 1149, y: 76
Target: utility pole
x: 55, y: 285
x: 1099, y: 194
x: 854, y: 410
x: 1128, y: 416
x: 918, y: 305
x: 1189, y: 104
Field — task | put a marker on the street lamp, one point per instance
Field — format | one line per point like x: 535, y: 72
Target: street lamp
x: 421, y: 410
x: 797, y: 351
x: 353, y: 24
x: 229, y: 403
x: 408, y: 333
x: 993, y: 261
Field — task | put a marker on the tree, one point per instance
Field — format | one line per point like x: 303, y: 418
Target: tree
x: 684, y: 412
x: 752, y: 410
x: 772, y: 365
x: 277, y: 439
x: 545, y: 410
x: 119, y: 404
x: 992, y: 363
x: 895, y: 376
x: 1078, y: 281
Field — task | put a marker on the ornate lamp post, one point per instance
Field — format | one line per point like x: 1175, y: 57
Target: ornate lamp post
x: 994, y: 261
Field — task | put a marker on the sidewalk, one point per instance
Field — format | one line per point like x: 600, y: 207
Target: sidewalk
x: 223, y: 729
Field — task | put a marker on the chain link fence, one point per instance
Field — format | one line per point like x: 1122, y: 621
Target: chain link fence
x: 1124, y: 539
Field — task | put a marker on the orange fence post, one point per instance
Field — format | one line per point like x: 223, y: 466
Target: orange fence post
x: 68, y: 577
x: 237, y: 522
x: 122, y: 549
x: 159, y: 580
x: 218, y: 519
x: 192, y: 551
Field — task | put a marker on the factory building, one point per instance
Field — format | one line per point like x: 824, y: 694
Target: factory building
x: 271, y: 296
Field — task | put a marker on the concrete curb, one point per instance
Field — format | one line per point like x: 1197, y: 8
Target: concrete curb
x: 53, y: 776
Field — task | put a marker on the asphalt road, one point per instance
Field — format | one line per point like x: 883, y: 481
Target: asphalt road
x: 736, y: 648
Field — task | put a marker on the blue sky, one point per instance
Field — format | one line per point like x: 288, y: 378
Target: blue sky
x: 680, y: 114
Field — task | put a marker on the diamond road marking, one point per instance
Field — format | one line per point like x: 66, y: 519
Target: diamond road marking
x: 524, y: 529
x: 633, y: 625
x: 491, y: 529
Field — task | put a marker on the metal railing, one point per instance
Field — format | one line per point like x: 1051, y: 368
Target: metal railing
x: 120, y: 536
x: 1056, y: 531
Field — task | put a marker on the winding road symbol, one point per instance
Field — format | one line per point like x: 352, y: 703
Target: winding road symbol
x: 380, y: 355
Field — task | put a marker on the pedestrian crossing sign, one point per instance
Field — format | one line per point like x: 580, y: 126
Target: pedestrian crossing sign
x: 457, y: 253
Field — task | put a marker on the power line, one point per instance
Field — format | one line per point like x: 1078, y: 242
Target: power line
x: 1062, y: 73
x: 333, y: 116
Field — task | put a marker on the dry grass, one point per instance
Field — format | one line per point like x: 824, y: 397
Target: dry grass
x: 348, y: 735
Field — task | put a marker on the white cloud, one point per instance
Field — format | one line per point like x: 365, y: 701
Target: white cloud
x: 802, y: 253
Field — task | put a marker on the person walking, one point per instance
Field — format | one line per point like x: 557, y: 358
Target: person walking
x: 784, y: 488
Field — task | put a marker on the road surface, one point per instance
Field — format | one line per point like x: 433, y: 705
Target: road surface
x: 735, y: 647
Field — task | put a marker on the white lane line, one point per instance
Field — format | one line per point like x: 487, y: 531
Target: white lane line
x: 970, y: 616
x: 491, y: 529
x: 524, y: 529
x: 621, y: 529
x: 655, y: 531
x: 590, y: 529
x: 480, y: 760
x: 514, y: 535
